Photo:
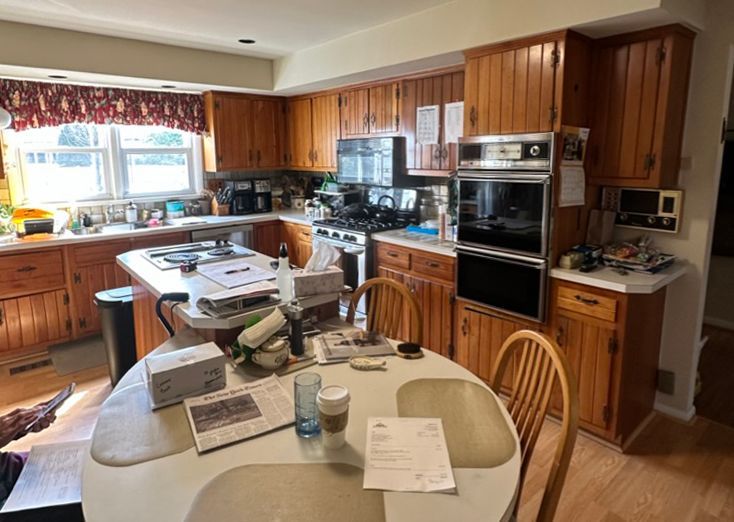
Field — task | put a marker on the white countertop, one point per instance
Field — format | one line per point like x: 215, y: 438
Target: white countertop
x: 158, y: 282
x: 427, y: 242
x: 10, y: 243
x: 632, y: 283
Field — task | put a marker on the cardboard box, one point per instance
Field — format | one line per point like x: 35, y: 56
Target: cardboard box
x: 171, y: 377
x: 330, y: 281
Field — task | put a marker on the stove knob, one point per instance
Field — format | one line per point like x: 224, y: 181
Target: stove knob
x: 623, y: 217
x: 651, y: 220
x: 335, y: 234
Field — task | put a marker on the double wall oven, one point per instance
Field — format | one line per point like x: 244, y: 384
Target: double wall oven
x: 504, y: 222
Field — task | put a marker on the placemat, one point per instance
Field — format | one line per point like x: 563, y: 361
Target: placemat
x: 272, y: 492
x: 128, y: 432
x: 477, y: 433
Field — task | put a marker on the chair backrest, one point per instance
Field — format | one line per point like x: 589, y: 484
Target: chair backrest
x: 538, y: 363
x: 386, y: 308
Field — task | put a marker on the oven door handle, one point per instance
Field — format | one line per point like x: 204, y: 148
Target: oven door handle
x: 354, y: 251
x: 538, y: 264
x: 540, y: 179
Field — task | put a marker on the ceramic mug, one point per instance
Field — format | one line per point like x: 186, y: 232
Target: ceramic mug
x: 271, y: 360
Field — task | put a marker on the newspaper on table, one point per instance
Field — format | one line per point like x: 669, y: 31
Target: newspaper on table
x: 239, y: 413
x: 237, y: 300
x: 52, y: 476
x: 335, y: 347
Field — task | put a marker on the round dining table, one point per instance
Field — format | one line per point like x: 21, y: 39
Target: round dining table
x: 163, y: 489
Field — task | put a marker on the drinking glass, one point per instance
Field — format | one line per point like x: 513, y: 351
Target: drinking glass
x: 305, y: 388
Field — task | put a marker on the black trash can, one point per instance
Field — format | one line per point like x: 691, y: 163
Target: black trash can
x: 118, y: 329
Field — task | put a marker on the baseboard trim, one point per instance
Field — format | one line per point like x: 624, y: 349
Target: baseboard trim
x: 684, y: 415
x: 718, y: 322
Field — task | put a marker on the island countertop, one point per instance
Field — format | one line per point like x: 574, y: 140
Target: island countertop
x: 158, y: 282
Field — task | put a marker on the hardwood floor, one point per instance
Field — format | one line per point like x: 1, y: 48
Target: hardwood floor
x: 716, y: 367
x: 673, y: 471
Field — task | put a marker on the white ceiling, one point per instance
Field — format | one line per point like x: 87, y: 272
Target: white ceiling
x: 279, y: 26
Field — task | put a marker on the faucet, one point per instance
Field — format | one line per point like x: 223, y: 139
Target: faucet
x: 110, y: 214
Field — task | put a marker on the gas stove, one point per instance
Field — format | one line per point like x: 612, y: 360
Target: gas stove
x: 173, y: 256
x: 353, y: 230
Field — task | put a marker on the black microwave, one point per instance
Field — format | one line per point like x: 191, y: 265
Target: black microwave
x: 377, y: 162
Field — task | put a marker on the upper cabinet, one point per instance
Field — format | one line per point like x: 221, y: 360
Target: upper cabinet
x: 509, y: 88
x: 641, y: 87
x: 243, y: 132
x: 370, y: 111
x: 313, y: 129
x: 441, y: 158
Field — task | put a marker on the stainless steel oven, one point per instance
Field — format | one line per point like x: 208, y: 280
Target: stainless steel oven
x: 504, y: 222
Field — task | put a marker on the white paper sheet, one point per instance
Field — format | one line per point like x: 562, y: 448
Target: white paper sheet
x: 235, y: 272
x: 427, y: 124
x: 453, y: 122
x: 51, y: 477
x: 573, y: 187
x: 407, y: 454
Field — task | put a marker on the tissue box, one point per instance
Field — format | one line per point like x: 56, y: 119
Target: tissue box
x: 329, y: 281
x: 171, y: 377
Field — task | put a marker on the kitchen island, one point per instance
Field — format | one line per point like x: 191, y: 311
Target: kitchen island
x: 149, y: 282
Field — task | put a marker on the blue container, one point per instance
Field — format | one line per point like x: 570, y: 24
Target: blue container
x: 305, y: 388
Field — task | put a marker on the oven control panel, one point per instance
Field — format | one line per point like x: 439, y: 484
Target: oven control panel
x: 532, y: 152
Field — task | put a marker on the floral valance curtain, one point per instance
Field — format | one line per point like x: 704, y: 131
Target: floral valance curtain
x: 39, y: 104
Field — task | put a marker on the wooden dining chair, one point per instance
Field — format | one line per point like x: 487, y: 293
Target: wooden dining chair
x: 538, y: 364
x: 388, y: 304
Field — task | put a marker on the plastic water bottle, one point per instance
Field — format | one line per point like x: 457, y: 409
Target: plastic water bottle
x: 284, y: 275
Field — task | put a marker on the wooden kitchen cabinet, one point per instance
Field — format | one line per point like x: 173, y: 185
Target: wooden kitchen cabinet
x: 31, y: 321
x: 31, y: 272
x: 300, y: 137
x: 430, y: 277
x: 638, y: 111
x: 612, y: 341
x: 159, y: 240
x: 432, y: 160
x: 267, y: 238
x: 299, y: 242
x: 371, y: 110
x: 325, y: 130
x: 243, y: 132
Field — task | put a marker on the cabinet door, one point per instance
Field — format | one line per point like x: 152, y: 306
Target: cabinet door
x: 34, y: 320
x: 383, y: 108
x: 627, y: 81
x: 300, y: 140
x: 418, y: 93
x: 231, y: 124
x: 267, y: 133
x: 437, y: 305
x: 325, y: 130
x: 267, y: 238
x: 511, y: 91
x: 590, y: 350
x: 304, y: 245
x: 86, y: 282
x: 355, y: 112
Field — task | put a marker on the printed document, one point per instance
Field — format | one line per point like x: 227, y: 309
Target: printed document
x: 407, y: 454
x: 52, y: 476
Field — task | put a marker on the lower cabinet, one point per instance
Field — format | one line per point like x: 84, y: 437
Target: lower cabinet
x: 267, y: 238
x: 299, y: 242
x: 34, y: 320
x: 430, y: 277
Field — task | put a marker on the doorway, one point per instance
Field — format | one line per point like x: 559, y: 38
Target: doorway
x: 716, y: 364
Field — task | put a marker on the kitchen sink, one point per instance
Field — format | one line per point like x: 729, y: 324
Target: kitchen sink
x: 111, y: 228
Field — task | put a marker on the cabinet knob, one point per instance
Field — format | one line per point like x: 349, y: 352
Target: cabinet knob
x: 465, y: 326
x: 373, y: 119
x: 473, y: 116
x: 433, y: 264
x: 586, y: 300
x: 365, y: 120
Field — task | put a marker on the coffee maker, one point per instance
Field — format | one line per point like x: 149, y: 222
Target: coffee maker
x: 243, y: 197
x: 263, y: 197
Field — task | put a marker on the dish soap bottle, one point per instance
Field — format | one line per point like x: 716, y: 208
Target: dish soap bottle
x: 131, y: 213
x: 284, y: 275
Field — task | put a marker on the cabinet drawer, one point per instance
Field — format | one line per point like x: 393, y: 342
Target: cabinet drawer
x: 588, y: 303
x: 99, y: 253
x: 27, y: 273
x: 435, y: 266
x: 390, y: 255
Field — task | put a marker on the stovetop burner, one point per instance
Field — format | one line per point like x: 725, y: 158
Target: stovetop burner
x: 180, y: 257
x: 364, y: 225
x: 224, y: 251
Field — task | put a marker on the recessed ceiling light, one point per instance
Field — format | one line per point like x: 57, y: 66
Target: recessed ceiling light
x: 168, y: 86
x: 248, y: 41
x: 57, y: 76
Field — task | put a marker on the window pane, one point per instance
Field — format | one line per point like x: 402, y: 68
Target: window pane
x: 150, y: 173
x: 134, y: 137
x: 72, y: 135
x: 64, y: 176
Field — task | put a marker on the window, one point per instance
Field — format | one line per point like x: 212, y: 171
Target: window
x: 80, y: 162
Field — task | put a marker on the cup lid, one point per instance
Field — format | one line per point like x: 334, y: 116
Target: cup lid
x: 333, y: 395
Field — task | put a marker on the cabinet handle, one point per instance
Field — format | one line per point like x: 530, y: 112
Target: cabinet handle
x: 258, y: 157
x: 315, y: 155
x: 444, y: 153
x: 433, y: 264
x: 373, y: 119
x: 249, y: 155
x: 559, y: 336
x: 365, y: 120
x: 27, y: 268
x: 586, y: 300
x: 473, y: 116
x: 310, y: 155
x: 2, y: 317
x: 465, y: 326
x: 392, y: 254
x: 437, y: 153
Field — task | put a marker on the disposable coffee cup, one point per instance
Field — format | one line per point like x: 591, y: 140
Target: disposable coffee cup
x: 333, y: 404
